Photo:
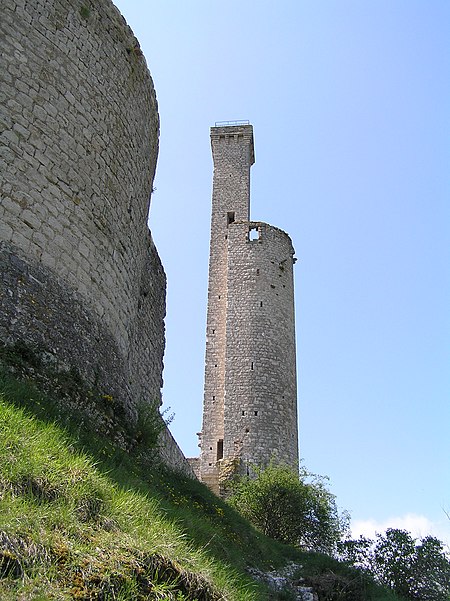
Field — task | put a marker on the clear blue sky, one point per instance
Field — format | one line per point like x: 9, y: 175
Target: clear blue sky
x: 350, y: 104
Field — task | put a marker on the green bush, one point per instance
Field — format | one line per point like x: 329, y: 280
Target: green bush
x: 293, y: 508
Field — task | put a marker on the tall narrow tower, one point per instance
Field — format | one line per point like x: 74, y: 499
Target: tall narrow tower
x: 250, y: 395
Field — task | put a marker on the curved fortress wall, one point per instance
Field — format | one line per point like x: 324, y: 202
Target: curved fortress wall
x: 80, y: 273
x: 250, y: 396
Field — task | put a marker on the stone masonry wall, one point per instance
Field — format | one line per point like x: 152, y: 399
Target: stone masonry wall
x: 79, y: 134
x: 260, y: 420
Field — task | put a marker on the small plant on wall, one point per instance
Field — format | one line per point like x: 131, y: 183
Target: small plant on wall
x: 85, y: 12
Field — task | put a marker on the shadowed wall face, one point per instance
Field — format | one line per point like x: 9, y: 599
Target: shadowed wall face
x: 80, y: 273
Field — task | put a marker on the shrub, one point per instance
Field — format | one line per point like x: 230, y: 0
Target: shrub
x: 293, y: 508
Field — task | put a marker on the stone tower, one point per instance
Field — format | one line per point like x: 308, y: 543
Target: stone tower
x: 250, y: 395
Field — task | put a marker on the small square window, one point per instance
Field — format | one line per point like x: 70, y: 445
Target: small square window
x: 253, y: 234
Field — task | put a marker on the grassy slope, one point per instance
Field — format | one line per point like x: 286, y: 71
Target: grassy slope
x: 81, y: 519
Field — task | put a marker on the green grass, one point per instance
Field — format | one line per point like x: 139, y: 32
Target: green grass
x: 81, y: 518
x: 71, y: 530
